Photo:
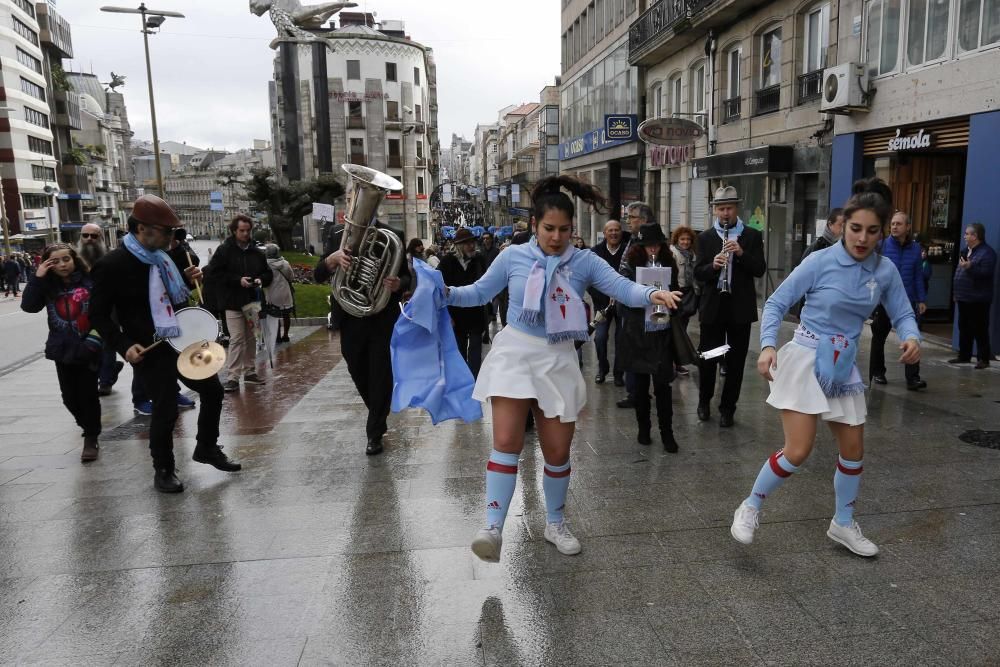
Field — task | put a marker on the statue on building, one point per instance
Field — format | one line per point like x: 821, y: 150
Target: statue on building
x: 290, y: 17
x: 117, y: 81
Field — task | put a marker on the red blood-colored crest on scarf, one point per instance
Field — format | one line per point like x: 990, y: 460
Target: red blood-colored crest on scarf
x: 560, y: 297
x: 840, y: 343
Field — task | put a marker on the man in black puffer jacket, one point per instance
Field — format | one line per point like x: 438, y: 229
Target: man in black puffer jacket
x: 237, y: 272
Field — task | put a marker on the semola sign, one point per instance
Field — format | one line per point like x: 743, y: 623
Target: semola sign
x: 909, y: 142
x: 670, y: 131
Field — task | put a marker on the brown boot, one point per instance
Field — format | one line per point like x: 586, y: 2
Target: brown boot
x: 90, y: 449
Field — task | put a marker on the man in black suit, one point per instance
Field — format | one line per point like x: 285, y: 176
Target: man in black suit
x: 612, y: 251
x: 364, y: 341
x: 730, y: 257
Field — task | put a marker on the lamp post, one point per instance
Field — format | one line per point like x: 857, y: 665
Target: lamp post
x: 406, y: 130
x: 152, y: 19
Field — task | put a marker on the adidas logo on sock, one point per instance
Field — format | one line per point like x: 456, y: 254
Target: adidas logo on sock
x: 493, y: 506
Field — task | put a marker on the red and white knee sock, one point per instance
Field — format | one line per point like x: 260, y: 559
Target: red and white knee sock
x: 501, y: 478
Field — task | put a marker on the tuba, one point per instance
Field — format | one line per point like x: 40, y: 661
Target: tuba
x: 376, y: 254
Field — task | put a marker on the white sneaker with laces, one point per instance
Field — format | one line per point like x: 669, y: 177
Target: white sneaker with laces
x: 486, y: 544
x: 559, y: 535
x: 746, y: 519
x: 851, y: 537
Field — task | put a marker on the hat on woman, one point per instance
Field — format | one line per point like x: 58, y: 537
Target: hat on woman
x: 650, y: 233
x: 726, y: 195
x: 463, y: 235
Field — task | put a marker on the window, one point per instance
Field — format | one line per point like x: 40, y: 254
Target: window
x: 357, y: 151
x: 26, y: 6
x: 36, y: 200
x: 416, y: 76
x: 675, y: 94
x: 817, y: 38
x: 40, y: 173
x: 733, y: 74
x: 32, y: 88
x: 420, y: 185
x: 978, y: 23
x: 770, y: 58
x: 24, y: 31
x: 394, y: 160
x: 416, y: 112
x: 883, y: 36
x: 37, y: 145
x: 354, y: 115
x: 390, y: 71
x: 36, y: 117
x: 353, y: 70
x: 656, y: 101
x: 600, y: 22
x: 698, y: 89
x: 420, y: 150
x: 392, y: 110
x: 927, y: 30
x: 29, y: 61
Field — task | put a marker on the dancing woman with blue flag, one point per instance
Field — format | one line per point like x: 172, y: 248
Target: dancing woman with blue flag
x: 532, y: 365
x: 815, y: 376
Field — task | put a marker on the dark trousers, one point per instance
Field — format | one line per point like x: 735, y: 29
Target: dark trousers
x: 78, y: 386
x: 601, y: 335
x: 364, y: 342
x: 714, y: 335
x: 158, y: 375
x: 12, y: 285
x: 664, y: 402
x: 108, y: 373
x: 881, y: 326
x: 470, y: 346
x: 974, y: 325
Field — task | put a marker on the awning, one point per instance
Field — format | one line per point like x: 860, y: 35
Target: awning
x: 762, y: 160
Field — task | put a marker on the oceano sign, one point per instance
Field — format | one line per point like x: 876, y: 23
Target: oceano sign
x: 910, y: 142
x: 670, y: 131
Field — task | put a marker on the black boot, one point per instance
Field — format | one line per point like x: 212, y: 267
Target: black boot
x: 665, y: 417
x: 643, y: 420
x: 165, y: 480
x: 215, y: 457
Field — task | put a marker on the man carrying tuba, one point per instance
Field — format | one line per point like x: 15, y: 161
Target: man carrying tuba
x: 364, y: 340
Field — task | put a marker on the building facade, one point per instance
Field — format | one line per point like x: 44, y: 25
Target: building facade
x: 373, y: 103
x: 930, y: 128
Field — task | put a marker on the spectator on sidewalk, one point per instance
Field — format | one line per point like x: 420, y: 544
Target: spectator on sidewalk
x: 973, y: 288
x: 612, y: 251
x: 682, y: 243
x: 280, y: 295
x: 12, y: 276
x: 464, y: 267
x: 91, y: 248
x: 61, y: 285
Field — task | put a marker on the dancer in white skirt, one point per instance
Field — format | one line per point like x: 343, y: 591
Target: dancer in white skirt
x: 814, y: 376
x: 532, y: 364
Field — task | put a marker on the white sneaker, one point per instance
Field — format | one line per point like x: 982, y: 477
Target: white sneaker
x: 851, y: 537
x: 486, y: 544
x: 746, y: 519
x: 559, y: 535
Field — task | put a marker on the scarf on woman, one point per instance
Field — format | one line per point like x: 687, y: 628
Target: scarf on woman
x: 688, y: 266
x: 734, y: 233
x: 829, y: 236
x: 548, y: 288
x: 166, y: 287
x: 835, y: 368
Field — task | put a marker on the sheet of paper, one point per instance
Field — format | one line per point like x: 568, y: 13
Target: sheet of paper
x: 715, y: 352
x: 322, y: 211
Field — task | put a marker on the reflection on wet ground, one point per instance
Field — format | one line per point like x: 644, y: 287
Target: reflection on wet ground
x: 316, y: 553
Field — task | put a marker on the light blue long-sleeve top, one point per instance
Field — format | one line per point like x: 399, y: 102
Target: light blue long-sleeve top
x: 841, y: 293
x: 511, y: 268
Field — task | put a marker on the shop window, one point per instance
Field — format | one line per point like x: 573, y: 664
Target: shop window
x: 978, y: 23
x: 927, y: 30
x: 353, y: 70
x: 882, y: 52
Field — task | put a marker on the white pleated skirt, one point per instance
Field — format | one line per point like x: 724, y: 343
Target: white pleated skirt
x: 520, y: 365
x: 795, y: 387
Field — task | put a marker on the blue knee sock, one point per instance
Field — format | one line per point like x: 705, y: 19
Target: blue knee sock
x: 555, y: 484
x: 501, y: 477
x: 846, y: 481
x: 774, y: 472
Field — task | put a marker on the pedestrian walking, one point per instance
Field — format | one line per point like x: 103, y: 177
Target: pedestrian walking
x: 636, y: 214
x: 904, y: 253
x: 612, y: 251
x: 141, y: 285
x: 62, y: 287
x: 464, y: 267
x: 91, y: 248
x: 973, y: 290
x: 814, y: 376
x: 238, y: 271
x: 532, y: 365
x: 12, y: 276
x: 280, y: 294
x: 647, y: 350
x: 682, y: 244
x: 730, y: 257
x: 832, y: 232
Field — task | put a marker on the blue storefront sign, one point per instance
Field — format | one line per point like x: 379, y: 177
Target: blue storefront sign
x: 622, y: 127
x: 591, y: 142
x: 215, y: 201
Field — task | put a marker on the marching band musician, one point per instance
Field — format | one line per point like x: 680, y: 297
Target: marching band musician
x: 364, y: 341
x: 141, y: 286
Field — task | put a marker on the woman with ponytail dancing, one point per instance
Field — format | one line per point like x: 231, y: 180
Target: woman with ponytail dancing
x: 814, y: 376
x: 532, y: 364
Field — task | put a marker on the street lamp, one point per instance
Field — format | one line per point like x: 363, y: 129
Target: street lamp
x: 152, y: 19
x: 407, y: 129
x: 4, y: 223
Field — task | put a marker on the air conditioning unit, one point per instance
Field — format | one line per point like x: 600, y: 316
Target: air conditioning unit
x: 845, y: 88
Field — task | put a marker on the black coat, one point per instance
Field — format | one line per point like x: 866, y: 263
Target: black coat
x: 230, y: 263
x: 741, y: 306
x: 465, y: 319
x: 600, y: 299
x: 639, y: 351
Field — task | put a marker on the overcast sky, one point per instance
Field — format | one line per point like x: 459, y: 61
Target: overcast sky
x: 210, y: 69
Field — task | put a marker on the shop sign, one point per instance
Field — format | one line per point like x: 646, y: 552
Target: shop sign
x: 621, y: 126
x: 670, y: 131
x: 591, y: 142
x: 350, y: 96
x: 664, y: 156
x: 910, y: 142
x: 761, y: 160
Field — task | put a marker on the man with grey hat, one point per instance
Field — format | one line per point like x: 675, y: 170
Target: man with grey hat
x: 730, y: 256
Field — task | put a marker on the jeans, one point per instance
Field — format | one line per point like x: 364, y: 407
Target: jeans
x: 470, y: 346
x: 881, y: 326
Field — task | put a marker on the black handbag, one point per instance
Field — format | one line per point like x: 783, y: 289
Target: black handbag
x: 685, y: 353
x: 689, y: 303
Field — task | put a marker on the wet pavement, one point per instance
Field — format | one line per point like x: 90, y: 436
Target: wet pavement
x: 316, y: 554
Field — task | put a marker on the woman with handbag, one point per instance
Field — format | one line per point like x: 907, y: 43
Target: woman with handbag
x: 61, y: 285
x: 280, y: 294
x: 648, y: 346
x: 682, y: 243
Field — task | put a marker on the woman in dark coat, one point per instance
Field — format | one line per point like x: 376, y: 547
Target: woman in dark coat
x: 649, y: 354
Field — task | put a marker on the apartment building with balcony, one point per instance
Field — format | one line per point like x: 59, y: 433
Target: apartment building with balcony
x: 749, y: 73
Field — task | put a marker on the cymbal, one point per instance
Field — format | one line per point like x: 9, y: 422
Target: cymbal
x: 201, y: 360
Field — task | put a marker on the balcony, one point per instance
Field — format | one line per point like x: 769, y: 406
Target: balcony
x: 731, y: 109
x: 810, y: 86
x: 649, y: 34
x: 68, y: 111
x: 767, y: 100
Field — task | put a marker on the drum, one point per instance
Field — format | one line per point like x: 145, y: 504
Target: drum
x: 196, y: 325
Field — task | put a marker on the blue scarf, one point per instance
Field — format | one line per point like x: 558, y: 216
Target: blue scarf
x: 835, y: 368
x: 167, y: 278
x: 550, y: 299
x: 734, y: 233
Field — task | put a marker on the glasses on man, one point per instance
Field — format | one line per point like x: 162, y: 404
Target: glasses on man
x: 90, y: 236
